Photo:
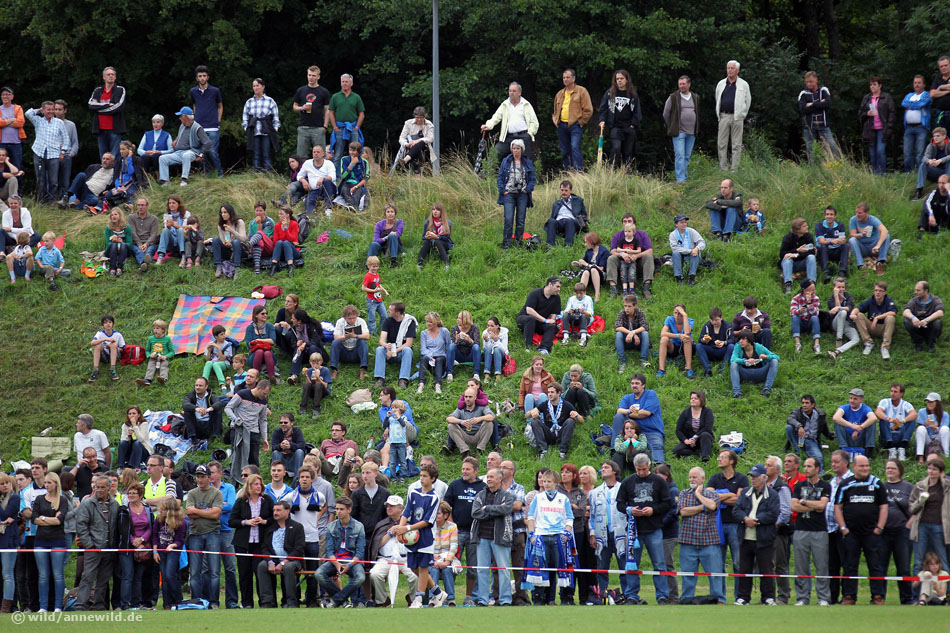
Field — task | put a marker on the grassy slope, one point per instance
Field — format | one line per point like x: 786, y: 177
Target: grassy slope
x: 45, y: 361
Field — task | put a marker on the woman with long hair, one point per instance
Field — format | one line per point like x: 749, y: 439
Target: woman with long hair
x: 260, y: 338
x: 260, y: 232
x: 933, y: 425
x: 118, y: 238
x: 534, y: 385
x: 173, y: 225
x: 286, y: 234
x: 620, y: 116
x: 306, y: 335
x: 49, y: 516
x: 495, y: 344
x: 434, y: 343
x: 252, y: 514
x: 170, y: 528
x: 9, y: 537
x: 229, y: 241
x: 464, y: 346
x: 387, y: 234
x: 131, y: 452
x: 437, y: 234
x: 929, y: 504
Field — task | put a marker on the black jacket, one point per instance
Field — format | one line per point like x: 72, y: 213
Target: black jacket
x: 367, y: 511
x: 296, y: 440
x: 191, y: 401
x: 241, y: 511
x: 378, y: 532
x: 115, y: 107
x: 791, y: 243
x: 797, y: 418
x: 887, y: 112
x: 684, y: 425
x: 577, y: 208
x: 294, y: 541
x: 767, y: 515
x: 607, y: 115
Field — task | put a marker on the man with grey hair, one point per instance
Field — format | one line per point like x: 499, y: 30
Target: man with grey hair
x: 518, y: 121
x: 493, y: 533
x: 95, y: 527
x: 88, y: 185
x: 733, y: 99
x: 154, y: 144
x: 784, y: 528
x: 190, y: 144
x: 520, y: 531
x: 50, y: 146
x: 757, y: 509
x: 345, y: 114
x: 87, y: 436
x: 699, y: 537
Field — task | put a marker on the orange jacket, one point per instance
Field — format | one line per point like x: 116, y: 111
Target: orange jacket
x: 581, y: 108
x: 18, y: 123
x: 527, y: 382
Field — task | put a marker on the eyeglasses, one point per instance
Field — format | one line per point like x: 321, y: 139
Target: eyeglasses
x: 245, y: 475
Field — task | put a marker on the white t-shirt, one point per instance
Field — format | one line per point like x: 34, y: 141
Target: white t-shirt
x: 95, y: 439
x: 119, y: 339
x: 310, y: 172
x: 899, y: 411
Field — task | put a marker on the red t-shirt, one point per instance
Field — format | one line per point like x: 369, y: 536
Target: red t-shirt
x: 372, y: 281
x: 105, y: 120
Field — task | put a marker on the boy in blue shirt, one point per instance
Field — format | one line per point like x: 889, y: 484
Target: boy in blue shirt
x: 49, y: 260
x: 870, y: 237
x: 422, y: 508
x: 549, y: 515
x: 396, y: 423
x: 832, y: 244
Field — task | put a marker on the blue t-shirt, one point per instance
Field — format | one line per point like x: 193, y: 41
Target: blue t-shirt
x: 423, y: 506
x: 648, y: 401
x: 397, y: 428
x: 228, y: 496
x: 206, y: 106
x: 855, y: 417
x: 384, y: 411
x: 872, y: 222
x: 325, y: 376
x: 670, y: 322
x: 832, y: 232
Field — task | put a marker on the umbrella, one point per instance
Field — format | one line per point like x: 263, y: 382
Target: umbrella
x: 399, y: 157
x: 600, y: 147
x: 482, y: 147
x: 393, y: 581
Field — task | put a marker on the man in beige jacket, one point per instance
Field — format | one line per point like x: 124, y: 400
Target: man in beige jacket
x: 572, y: 111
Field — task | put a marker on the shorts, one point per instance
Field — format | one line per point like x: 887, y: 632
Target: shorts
x: 415, y: 560
x: 677, y: 348
x: 19, y: 268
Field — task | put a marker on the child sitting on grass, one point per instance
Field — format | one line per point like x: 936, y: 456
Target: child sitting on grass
x: 579, y: 312
x: 374, y: 294
x: 20, y: 260
x: 316, y: 385
x: 107, y: 343
x: 49, y: 260
x: 236, y: 380
x: 158, y: 350
x: 218, y: 356
x: 754, y: 217
x: 194, y: 243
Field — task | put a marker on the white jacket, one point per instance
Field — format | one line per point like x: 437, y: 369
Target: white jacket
x: 743, y: 97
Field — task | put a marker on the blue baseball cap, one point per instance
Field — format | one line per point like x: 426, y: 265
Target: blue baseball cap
x: 757, y: 471
x: 185, y: 110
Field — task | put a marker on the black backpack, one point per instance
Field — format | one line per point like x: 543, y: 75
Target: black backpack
x: 303, y: 227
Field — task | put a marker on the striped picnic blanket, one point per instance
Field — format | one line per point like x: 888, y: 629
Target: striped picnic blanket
x: 190, y: 328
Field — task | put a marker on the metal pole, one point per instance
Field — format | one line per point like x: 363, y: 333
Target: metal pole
x: 435, y: 82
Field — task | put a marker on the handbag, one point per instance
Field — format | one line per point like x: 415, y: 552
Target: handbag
x: 269, y: 292
x: 257, y: 345
x: 508, y: 366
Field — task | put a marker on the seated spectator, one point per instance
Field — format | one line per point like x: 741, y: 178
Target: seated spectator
x: 286, y: 242
x: 294, y: 191
x: 579, y: 314
x: 387, y: 234
x: 539, y: 314
x: 172, y: 236
x: 495, y: 346
x: 725, y: 211
x: 17, y: 219
x: 318, y: 177
x: 869, y: 237
x: 305, y: 335
x: 933, y: 427
x: 753, y: 217
x: 339, y: 454
x: 260, y: 235
x: 577, y: 388
x: 797, y: 253
x: 804, y: 311
x: 840, y: 306
x: 923, y: 317
x: 88, y: 185
x: 896, y: 417
x: 416, y: 139
x: 471, y: 426
x: 755, y: 321
x: 752, y: 362
x: 87, y: 436
x: 804, y: 428
x: 129, y: 176
x: 260, y: 338
x: 936, y: 209
x: 396, y: 337
x: 353, y: 172
x: 932, y: 591
x: 189, y: 147
x: 694, y: 428
x: 434, y: 343
x: 594, y: 263
x: 118, y: 241
x: 715, y: 342
x: 202, y: 413
x: 516, y: 180
x: 935, y: 161
x: 631, y: 331
x: 533, y: 388
x: 676, y: 338
x: 283, y: 546
x: 464, y: 347
x: 49, y: 260
x: 437, y: 234
x: 832, y: 239
x: 350, y: 336
x: 855, y: 422
x: 568, y: 216
x: 289, y: 445
x: 387, y: 550
x: 643, y: 406
x: 131, y: 451
x: 230, y: 239
x: 643, y: 259
x: 282, y: 327
x: 685, y: 243
x: 628, y: 445
x: 9, y: 172
x: 553, y: 421
x: 20, y: 260
x: 875, y: 316
x: 107, y: 344
x: 345, y: 548
x: 154, y: 144
x: 316, y: 385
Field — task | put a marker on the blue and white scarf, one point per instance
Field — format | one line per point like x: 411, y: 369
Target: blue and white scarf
x: 633, y: 542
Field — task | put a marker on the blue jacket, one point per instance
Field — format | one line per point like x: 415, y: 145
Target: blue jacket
x: 578, y: 209
x: 505, y: 170
x: 767, y: 514
x: 922, y: 104
x: 446, y: 238
x: 355, y: 538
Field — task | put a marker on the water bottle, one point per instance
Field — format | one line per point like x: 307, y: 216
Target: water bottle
x: 801, y: 441
x: 370, y: 443
x: 46, y: 431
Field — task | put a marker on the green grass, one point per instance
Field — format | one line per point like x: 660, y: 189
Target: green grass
x: 511, y: 620
x: 46, y: 359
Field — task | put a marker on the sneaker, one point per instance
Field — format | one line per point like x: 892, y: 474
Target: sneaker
x: 690, y: 374
x: 766, y: 393
x: 161, y: 380
x: 437, y: 600
x: 93, y: 375
x: 822, y: 603
x: 647, y: 292
x: 403, y: 383
x: 143, y: 267
x: 737, y: 394
x: 660, y: 373
x: 885, y: 353
x: 562, y: 455
x: 542, y: 455
x: 292, y: 380
x: 421, y: 386
x: 543, y: 351
x: 416, y: 603
x: 901, y: 454
x: 892, y: 453
x: 707, y: 374
x: 867, y: 348
x: 770, y: 602
x: 691, y: 281
x: 584, y: 339
x: 379, y: 384
x: 740, y: 602
x: 438, y: 388
x: 468, y: 602
x: 621, y: 368
x: 895, y: 250
x: 218, y: 271
x: 565, y: 338
x: 450, y: 377
x: 614, y: 292
x: 52, y: 285
x: 142, y: 382
x: 679, y: 280
x: 798, y: 347
x: 315, y: 414
x: 788, y: 287
x: 801, y: 603
x: 113, y: 374
x: 183, y: 183
x: 645, y: 364
x: 817, y: 347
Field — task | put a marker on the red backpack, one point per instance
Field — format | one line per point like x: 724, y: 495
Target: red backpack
x: 132, y: 355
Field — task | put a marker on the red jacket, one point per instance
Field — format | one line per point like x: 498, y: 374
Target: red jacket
x: 289, y: 234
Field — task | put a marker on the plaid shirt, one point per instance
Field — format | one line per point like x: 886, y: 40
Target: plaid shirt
x: 638, y: 320
x: 699, y: 529
x: 516, y: 490
x: 805, y: 308
x: 259, y: 108
x: 51, y: 136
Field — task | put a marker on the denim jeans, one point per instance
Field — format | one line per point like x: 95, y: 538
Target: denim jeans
x: 292, y: 462
x: 230, y: 569
x: 607, y: 553
x: 140, y: 255
x: 530, y: 402
x: 898, y: 438
x: 929, y: 539
x: 205, y: 568
x: 878, y: 153
x: 184, y: 157
x: 839, y: 254
x: 705, y: 352
x: 826, y: 135
x: 7, y: 563
x: 474, y: 356
x: 569, y: 138
x: 653, y: 543
x: 813, y: 324
x: 791, y: 266
x: 863, y: 247
x: 404, y: 358
x: 374, y: 308
x: 447, y: 578
x: 726, y: 221
x: 170, y: 239
x: 212, y: 153
x: 327, y: 572
x: 260, y: 153
x: 621, y: 345
x: 108, y: 142
x: 47, y: 177
x: 339, y: 353
x: 487, y: 548
x: 915, y: 141
x: 765, y: 373
x: 682, y: 150
x: 691, y: 557
x: 512, y: 202
x: 844, y: 438
x: 171, y: 586
x: 79, y: 189
x: 131, y: 574
x: 678, y: 264
x: 812, y: 447
x: 45, y: 561
x: 284, y: 251
x: 130, y: 453
x: 658, y: 455
x: 325, y: 193
x: 390, y: 244
x: 219, y: 249
x: 494, y: 358
x: 730, y: 533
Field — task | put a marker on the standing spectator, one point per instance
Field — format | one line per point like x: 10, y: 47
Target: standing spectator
x: 539, y: 314
x: 228, y: 496
x: 861, y: 514
x: 203, y: 507
x: 877, y: 114
x: 757, y: 509
x: 681, y: 114
x: 896, y: 534
x: 247, y: 409
x: 840, y: 472
x: 49, y: 516
x: 312, y: 102
x: 620, y: 116
x: 699, y: 537
x: 940, y: 90
x: 518, y: 122
x: 813, y: 104
x: 809, y: 499
x: 733, y: 100
x: 345, y: 549
x: 345, y: 114
x: 916, y: 106
x: 930, y: 515
x: 572, y: 111
x: 671, y: 530
x: 784, y: 526
x: 136, y: 566
x: 460, y: 496
x: 50, y: 147
x: 250, y: 518
x: 170, y: 528
x: 107, y: 104
x: 12, y: 121
x: 261, y: 121
x: 549, y: 516
x: 923, y: 317
x: 519, y: 537
x: 95, y: 528
x: 607, y: 526
x: 729, y: 483
x: 516, y: 181
x: 570, y: 486
x: 208, y: 112
x: 9, y: 515
x: 492, y: 532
